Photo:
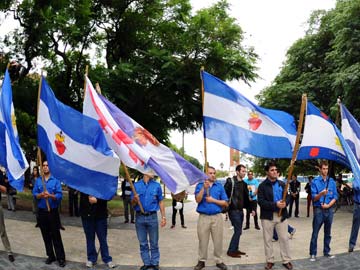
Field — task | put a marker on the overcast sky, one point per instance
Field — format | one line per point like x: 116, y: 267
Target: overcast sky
x: 271, y: 27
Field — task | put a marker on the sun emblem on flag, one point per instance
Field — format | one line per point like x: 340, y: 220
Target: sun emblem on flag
x: 338, y: 143
x: 59, y: 143
x: 13, y: 121
x: 254, y: 121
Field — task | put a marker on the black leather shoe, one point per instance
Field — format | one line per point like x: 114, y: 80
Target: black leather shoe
x: 200, y: 265
x: 269, y: 266
x: 49, y: 260
x: 144, y: 267
x: 154, y: 267
x: 351, y: 249
x: 62, y: 227
x: 11, y: 258
x: 257, y: 227
x: 288, y: 265
x: 246, y: 228
x: 233, y: 254
x: 62, y: 263
x: 221, y: 266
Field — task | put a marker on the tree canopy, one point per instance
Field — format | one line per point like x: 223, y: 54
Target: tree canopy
x: 146, y: 56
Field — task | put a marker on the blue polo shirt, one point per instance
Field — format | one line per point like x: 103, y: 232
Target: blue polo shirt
x: 318, y: 185
x: 53, y: 186
x: 216, y: 191
x: 150, y: 195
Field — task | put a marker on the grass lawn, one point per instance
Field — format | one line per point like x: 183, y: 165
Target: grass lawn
x: 24, y: 202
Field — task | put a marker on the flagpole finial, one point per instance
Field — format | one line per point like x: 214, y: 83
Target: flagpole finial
x: 338, y: 101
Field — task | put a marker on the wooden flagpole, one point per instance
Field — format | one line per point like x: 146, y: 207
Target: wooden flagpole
x: 127, y: 175
x: 205, y: 148
x: 39, y: 159
x: 296, y: 147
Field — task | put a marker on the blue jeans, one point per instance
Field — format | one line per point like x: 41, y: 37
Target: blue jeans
x: 321, y: 217
x: 236, y: 218
x: 148, y: 226
x: 98, y: 226
x: 275, y: 236
x: 355, y: 226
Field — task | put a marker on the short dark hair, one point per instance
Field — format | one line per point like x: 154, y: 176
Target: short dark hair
x: 250, y: 171
x: 238, y: 167
x: 323, y: 163
x: 211, y: 167
x: 269, y: 164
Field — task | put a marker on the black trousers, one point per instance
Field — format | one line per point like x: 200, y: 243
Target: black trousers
x: 292, y: 200
x: 253, y: 207
x: 181, y: 212
x: 73, y: 203
x: 49, y: 223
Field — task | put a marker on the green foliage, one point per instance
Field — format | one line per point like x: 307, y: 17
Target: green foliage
x: 191, y: 159
x: 146, y: 55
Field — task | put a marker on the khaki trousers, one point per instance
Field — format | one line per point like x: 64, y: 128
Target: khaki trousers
x: 3, y: 235
x: 282, y: 231
x: 210, y: 225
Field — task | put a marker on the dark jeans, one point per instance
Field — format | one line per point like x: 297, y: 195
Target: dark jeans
x: 253, y: 207
x: 181, y: 213
x: 292, y: 200
x: 147, y: 230
x: 355, y: 225
x: 96, y: 226
x: 309, y: 199
x: 321, y: 217
x: 236, y: 218
x: 275, y: 236
x: 49, y: 223
x: 127, y: 206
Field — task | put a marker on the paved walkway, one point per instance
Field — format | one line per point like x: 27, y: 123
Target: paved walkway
x: 178, y: 246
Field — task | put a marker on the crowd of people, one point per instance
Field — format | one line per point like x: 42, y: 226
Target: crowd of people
x: 143, y: 200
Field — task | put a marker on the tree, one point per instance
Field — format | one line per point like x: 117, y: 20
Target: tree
x: 146, y: 55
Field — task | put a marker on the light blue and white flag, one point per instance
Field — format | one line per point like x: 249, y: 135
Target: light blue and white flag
x: 320, y: 139
x: 12, y: 156
x: 350, y: 130
x: 137, y: 147
x: 75, y: 147
x: 235, y: 121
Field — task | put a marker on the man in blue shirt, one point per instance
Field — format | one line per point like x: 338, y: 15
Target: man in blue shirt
x: 253, y: 185
x: 149, y: 194
x: 355, y: 221
x: 211, y: 198
x: 48, y: 193
x: 324, y: 196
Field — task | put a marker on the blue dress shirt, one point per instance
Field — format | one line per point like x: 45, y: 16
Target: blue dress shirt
x: 150, y: 195
x: 216, y: 191
x: 53, y: 186
x: 318, y: 185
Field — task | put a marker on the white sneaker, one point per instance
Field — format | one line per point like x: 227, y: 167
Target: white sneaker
x: 312, y: 258
x: 329, y: 256
x: 89, y: 264
x: 111, y: 265
x: 292, y: 233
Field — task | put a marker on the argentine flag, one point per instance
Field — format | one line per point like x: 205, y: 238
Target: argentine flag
x: 235, y: 121
x: 350, y: 130
x: 320, y: 138
x: 12, y: 156
x: 75, y: 148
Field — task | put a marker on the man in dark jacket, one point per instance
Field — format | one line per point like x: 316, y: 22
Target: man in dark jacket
x: 294, y: 195
x: 270, y: 195
x: 237, y: 191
